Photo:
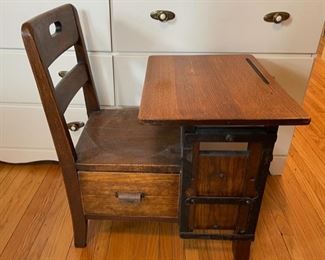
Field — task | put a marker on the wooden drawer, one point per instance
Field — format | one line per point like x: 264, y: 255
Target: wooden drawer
x: 22, y: 88
x: 160, y: 194
x: 94, y: 18
x: 217, y: 26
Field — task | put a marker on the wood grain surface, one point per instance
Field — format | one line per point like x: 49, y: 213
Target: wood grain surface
x: 219, y: 176
x: 159, y: 191
x: 215, y: 89
x: 114, y: 140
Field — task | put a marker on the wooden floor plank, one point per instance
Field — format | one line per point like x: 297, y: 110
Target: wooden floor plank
x: 170, y: 244
x: 33, y: 217
x: 4, y: 171
x: 55, y: 234
x: 313, y: 190
x: 276, y: 246
x: 16, y: 198
x: 306, y: 225
x: 134, y: 240
x: 98, y: 242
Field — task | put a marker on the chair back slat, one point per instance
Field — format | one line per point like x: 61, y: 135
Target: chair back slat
x: 43, y: 47
x: 64, y: 35
x: 68, y: 87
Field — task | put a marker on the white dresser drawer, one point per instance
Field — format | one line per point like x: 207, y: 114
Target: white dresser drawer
x: 217, y: 26
x: 17, y: 84
x: 94, y: 18
x: 25, y: 128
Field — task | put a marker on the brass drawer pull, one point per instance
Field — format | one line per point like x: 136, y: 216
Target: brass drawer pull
x: 162, y: 15
x: 75, y: 126
x: 276, y: 17
x: 130, y: 197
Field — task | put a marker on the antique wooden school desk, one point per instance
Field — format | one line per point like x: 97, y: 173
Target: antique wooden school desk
x: 228, y: 109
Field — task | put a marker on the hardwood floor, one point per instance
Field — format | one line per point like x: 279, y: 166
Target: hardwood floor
x: 35, y: 220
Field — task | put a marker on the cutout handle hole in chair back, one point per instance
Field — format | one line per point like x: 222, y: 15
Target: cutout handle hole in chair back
x: 55, y: 28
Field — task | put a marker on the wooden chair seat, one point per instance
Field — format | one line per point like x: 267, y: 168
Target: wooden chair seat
x: 114, y: 140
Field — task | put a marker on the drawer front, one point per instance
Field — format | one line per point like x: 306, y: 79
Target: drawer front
x: 25, y: 127
x: 159, y: 194
x: 217, y: 26
x: 17, y: 84
x: 94, y: 18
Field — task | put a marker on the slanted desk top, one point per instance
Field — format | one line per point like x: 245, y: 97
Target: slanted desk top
x: 215, y: 89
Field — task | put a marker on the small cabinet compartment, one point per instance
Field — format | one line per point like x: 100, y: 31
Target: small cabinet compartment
x: 153, y: 195
x: 222, y: 175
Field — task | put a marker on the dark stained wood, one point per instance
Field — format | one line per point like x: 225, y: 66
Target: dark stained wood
x: 68, y: 87
x: 219, y: 176
x: 241, y: 249
x: 91, y: 99
x: 42, y: 49
x: 215, y: 89
x: 123, y: 144
x: 159, y: 194
x: 52, y: 46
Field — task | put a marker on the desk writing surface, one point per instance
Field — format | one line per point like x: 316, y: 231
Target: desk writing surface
x: 215, y: 89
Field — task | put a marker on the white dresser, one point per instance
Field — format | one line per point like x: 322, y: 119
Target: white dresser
x: 121, y: 34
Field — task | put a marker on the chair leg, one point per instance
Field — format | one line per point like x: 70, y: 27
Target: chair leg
x: 241, y: 249
x: 80, y: 231
x: 79, y: 220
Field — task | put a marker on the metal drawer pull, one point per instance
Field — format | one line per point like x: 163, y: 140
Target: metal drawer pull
x: 62, y: 73
x: 162, y: 15
x: 75, y: 126
x: 276, y: 17
x: 130, y: 197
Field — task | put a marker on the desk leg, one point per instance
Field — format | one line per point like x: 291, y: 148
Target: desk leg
x: 241, y: 249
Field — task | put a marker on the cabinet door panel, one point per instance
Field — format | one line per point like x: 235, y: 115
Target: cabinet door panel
x: 217, y: 26
x: 94, y: 18
x: 17, y: 84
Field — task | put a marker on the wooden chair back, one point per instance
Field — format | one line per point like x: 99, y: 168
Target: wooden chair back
x: 43, y: 48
